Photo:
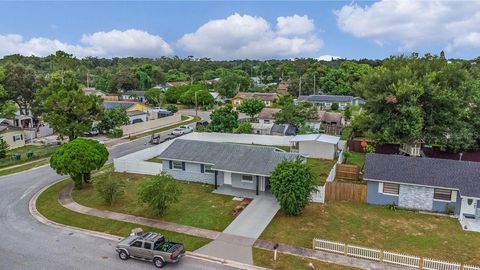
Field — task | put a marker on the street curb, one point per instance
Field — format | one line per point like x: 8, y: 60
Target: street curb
x: 40, y: 218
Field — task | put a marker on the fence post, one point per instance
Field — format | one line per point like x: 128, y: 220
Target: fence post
x: 345, y: 249
x: 381, y: 255
x: 461, y: 266
x: 420, y: 263
x: 313, y: 243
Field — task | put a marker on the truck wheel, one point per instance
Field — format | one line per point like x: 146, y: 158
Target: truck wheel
x: 158, y: 262
x: 123, y: 255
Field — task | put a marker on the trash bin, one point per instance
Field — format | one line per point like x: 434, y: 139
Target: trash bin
x: 30, y: 154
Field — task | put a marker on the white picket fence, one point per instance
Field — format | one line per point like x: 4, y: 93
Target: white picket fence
x: 318, y: 195
x: 395, y: 258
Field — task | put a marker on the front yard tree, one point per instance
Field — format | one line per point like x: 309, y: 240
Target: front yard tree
x: 20, y: 84
x: 292, y: 183
x: 113, y: 118
x: 78, y: 159
x: 109, y: 188
x: 159, y: 192
x: 224, y: 119
x: 154, y: 97
x: 3, y: 148
x: 64, y: 106
x: 244, y: 127
x: 252, y: 107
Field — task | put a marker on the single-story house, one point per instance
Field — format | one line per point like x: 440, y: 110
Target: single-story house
x: 92, y: 91
x: 267, y: 98
x: 329, y: 122
x: 137, y: 116
x: 283, y: 130
x: 217, y: 97
x: 282, y: 88
x: 325, y: 102
x: 236, y: 165
x: 130, y: 106
x: 13, y: 136
x: 262, y: 129
x: 134, y: 96
x: 315, y: 145
x: 267, y: 115
x: 429, y: 184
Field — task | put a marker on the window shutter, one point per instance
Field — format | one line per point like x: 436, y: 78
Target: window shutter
x: 202, y: 168
x: 170, y: 164
x: 454, y: 195
x: 13, y: 138
x: 380, y: 187
x: 21, y: 137
x: 183, y: 166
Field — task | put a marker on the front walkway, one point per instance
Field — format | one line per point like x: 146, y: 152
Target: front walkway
x: 470, y: 224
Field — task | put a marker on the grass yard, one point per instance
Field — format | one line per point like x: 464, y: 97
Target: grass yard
x: 7, y: 171
x: 48, y: 206
x: 355, y: 158
x: 264, y: 258
x: 155, y: 159
x: 197, y: 206
x: 39, y: 152
x: 321, y: 168
x: 377, y: 227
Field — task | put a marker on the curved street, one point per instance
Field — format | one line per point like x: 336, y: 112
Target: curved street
x: 26, y: 243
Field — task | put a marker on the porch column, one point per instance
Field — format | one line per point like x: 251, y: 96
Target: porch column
x: 216, y: 177
x: 258, y: 179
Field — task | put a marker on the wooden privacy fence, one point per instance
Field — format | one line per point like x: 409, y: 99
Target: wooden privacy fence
x: 351, y: 192
x: 347, y: 172
x: 389, y: 257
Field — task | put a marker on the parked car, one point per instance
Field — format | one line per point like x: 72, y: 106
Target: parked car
x: 152, y: 247
x: 202, y: 123
x: 93, y: 132
x: 182, y: 130
x: 157, y: 139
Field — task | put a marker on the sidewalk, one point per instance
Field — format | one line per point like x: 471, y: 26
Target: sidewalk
x: 66, y: 201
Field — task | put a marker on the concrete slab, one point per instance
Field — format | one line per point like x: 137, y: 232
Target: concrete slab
x: 255, y: 218
x: 230, y: 247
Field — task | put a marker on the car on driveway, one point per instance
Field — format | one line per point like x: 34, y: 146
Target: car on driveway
x: 182, y: 130
x: 152, y: 247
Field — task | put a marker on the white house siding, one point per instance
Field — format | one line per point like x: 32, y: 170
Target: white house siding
x: 237, y: 182
x: 316, y: 149
x: 416, y: 197
x: 192, y: 173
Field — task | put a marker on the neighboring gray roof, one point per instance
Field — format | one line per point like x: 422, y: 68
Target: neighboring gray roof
x: 116, y: 104
x: 462, y: 175
x: 258, y: 160
x: 325, y: 98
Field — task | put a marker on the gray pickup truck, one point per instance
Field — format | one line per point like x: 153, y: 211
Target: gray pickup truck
x: 150, y: 247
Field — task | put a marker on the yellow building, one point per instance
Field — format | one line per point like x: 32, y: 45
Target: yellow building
x: 13, y: 136
x: 267, y: 98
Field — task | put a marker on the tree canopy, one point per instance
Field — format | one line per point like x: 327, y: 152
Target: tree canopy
x: 224, y: 119
x: 252, y: 106
x: 113, y: 118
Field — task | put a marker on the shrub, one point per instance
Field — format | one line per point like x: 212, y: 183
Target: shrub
x: 334, y: 106
x: 115, y: 133
x: 450, y: 208
x: 244, y: 127
x: 393, y: 206
x: 3, y: 148
x: 369, y: 149
x: 159, y: 192
x: 172, y: 108
x: 109, y: 188
x: 292, y: 183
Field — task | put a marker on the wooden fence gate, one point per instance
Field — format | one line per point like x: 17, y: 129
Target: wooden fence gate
x: 351, y: 192
x: 347, y: 172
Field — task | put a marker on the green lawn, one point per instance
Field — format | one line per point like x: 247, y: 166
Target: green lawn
x: 48, y: 206
x: 355, y: 158
x: 197, y: 206
x: 377, y: 227
x: 264, y: 258
x: 321, y: 168
x: 39, y: 152
x: 155, y: 159
x: 25, y: 167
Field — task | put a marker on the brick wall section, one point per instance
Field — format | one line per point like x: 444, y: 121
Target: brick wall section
x: 416, y: 197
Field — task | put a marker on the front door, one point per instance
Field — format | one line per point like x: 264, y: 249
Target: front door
x: 469, y: 206
x: 227, y: 178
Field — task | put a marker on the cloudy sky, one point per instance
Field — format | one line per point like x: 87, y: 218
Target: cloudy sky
x: 238, y: 30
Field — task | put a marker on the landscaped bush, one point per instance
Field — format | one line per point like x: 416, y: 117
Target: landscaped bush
x: 172, y: 108
x: 115, y: 133
x: 109, y: 188
x: 159, y: 192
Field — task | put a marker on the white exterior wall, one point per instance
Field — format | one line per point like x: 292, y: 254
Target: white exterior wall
x: 239, y: 138
x: 152, y: 124
x: 315, y: 149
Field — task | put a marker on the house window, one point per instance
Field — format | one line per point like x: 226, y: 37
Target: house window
x: 177, y: 165
x: 208, y: 169
x: 442, y: 194
x: 391, y: 188
x: 237, y: 102
x: 266, y: 121
x: 17, y: 138
x: 247, y: 178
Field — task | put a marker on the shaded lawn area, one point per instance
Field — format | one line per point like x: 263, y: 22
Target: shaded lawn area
x: 377, y: 227
x: 48, y: 206
x: 22, y: 168
x: 197, y: 205
x: 355, y: 158
x: 39, y: 152
x: 155, y: 159
x: 264, y: 258
x: 321, y: 168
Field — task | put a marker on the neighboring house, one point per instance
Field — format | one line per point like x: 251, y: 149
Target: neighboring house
x: 235, y: 165
x: 262, y: 128
x: 136, y: 112
x: 93, y: 91
x: 217, y: 97
x: 283, y: 130
x: 328, y: 122
x: 137, y: 116
x: 267, y: 115
x: 429, y: 184
x: 282, y: 88
x: 23, y: 121
x: 325, y: 102
x: 134, y: 96
x: 13, y: 136
x: 267, y: 98
x: 315, y: 145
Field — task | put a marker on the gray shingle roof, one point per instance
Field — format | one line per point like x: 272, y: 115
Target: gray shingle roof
x: 116, y: 104
x: 462, y: 175
x: 259, y: 160
x: 325, y: 98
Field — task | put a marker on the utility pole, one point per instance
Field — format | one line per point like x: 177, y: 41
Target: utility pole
x: 314, y: 83
x: 300, y: 87
x: 196, y: 104
x: 88, y: 80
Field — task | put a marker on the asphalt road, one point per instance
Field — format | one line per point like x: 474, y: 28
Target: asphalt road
x: 26, y: 243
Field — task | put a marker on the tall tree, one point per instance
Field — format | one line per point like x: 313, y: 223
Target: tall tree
x: 20, y: 85
x: 64, y: 106
x: 252, y: 106
x: 155, y: 97
x: 113, y: 118
x: 224, y: 119
x: 232, y: 82
x: 124, y: 79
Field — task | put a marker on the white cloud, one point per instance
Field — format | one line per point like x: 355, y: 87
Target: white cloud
x: 412, y: 23
x: 103, y: 44
x: 328, y: 57
x: 244, y: 36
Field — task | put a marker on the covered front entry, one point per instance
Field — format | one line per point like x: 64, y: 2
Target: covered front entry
x: 470, y: 214
x: 235, y: 180
x: 469, y: 207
